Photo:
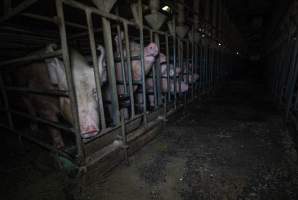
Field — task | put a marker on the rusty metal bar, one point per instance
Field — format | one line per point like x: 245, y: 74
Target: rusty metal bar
x: 96, y: 70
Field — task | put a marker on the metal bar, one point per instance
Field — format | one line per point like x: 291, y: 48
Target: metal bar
x: 98, y: 12
x: 175, y: 60
x: 53, y: 20
x: 21, y: 7
x: 168, y: 68
x: 107, y: 35
x: 157, y: 72
x: 38, y: 92
x: 129, y: 69
x: 35, y: 141
x: 193, y: 64
x: 5, y: 101
x: 96, y: 70
x: 70, y: 81
x: 140, y: 12
x: 154, y: 78
x: 35, y: 57
x: 120, y: 49
x: 43, y: 121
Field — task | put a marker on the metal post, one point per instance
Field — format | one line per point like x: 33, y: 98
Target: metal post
x: 157, y: 71
x: 168, y: 67
x: 175, y: 60
x: 70, y: 83
x: 142, y: 60
x: 107, y: 35
x: 96, y: 70
x: 128, y: 60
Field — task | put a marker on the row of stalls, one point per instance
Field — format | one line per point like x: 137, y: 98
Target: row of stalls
x: 281, y: 62
x: 192, y: 36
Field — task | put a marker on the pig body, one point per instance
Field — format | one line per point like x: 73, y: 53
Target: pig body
x: 50, y: 75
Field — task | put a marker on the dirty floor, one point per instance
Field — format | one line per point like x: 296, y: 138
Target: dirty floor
x: 230, y: 146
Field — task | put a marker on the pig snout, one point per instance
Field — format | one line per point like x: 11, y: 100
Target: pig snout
x: 88, y: 129
x: 151, y: 50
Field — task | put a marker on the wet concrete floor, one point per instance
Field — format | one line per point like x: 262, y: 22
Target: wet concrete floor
x: 233, y: 145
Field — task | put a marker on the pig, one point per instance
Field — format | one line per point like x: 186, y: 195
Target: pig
x: 150, y: 53
x: 50, y: 75
x: 164, y: 83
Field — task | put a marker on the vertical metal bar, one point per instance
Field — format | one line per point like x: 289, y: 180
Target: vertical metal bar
x: 157, y: 72
x: 123, y: 71
x: 154, y: 78
x: 70, y: 81
x: 187, y: 67
x: 193, y: 63
x: 96, y: 69
x: 5, y: 101
x: 123, y: 136
x: 168, y: 68
x: 142, y: 60
x: 128, y: 60
x: 107, y: 35
x: 175, y: 60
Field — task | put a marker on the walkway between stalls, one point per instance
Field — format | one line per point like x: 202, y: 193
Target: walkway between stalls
x: 231, y: 146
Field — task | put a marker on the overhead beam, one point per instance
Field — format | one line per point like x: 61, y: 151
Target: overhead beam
x: 21, y: 7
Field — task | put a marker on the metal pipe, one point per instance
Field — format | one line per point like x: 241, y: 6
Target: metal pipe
x: 70, y: 83
x: 41, y: 144
x: 130, y: 83
x: 168, y: 68
x: 157, y: 72
x: 53, y: 20
x: 140, y: 11
x: 38, y: 92
x: 107, y: 34
x: 35, y: 57
x: 120, y: 52
x: 43, y: 121
x: 18, y: 9
x: 5, y: 101
x: 96, y: 70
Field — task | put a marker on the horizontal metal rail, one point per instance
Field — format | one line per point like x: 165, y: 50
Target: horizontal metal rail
x: 31, y: 58
x: 37, y: 91
x: 40, y: 143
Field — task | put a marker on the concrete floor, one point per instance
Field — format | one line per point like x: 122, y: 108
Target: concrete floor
x: 230, y: 146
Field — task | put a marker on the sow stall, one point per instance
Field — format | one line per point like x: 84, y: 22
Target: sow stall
x: 192, y: 38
